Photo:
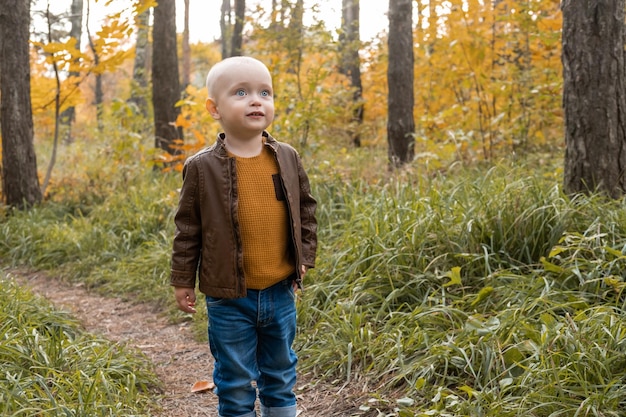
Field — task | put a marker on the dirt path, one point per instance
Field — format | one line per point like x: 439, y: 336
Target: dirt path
x: 179, y: 360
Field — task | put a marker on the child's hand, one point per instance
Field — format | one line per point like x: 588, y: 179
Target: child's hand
x: 302, y: 273
x: 186, y: 299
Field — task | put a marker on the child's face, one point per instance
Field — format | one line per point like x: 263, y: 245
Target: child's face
x: 244, y: 100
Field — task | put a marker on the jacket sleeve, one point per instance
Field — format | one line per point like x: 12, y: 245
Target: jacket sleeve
x: 308, y: 205
x: 187, y: 245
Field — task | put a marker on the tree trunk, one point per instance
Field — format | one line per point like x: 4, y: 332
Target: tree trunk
x: 186, y: 49
x: 20, y: 184
x: 140, y: 67
x: 57, y: 110
x: 76, y: 30
x: 98, y: 93
x: 400, y: 123
x: 295, y: 34
x: 593, y: 97
x: 226, y: 27
x: 240, y: 16
x: 165, y: 82
x: 351, y: 63
x: 274, y: 16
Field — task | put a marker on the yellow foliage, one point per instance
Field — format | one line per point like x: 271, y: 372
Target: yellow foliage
x: 489, y: 76
x: 487, y: 81
x: 141, y: 6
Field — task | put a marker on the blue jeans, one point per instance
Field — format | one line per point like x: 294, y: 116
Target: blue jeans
x: 250, y: 339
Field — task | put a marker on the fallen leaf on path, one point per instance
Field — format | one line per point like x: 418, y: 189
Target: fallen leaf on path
x: 200, y: 386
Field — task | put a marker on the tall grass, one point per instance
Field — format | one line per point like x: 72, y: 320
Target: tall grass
x: 50, y: 367
x: 482, y: 292
x: 121, y: 243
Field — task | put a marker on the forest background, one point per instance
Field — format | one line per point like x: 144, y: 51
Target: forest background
x: 487, y: 81
x: 463, y: 283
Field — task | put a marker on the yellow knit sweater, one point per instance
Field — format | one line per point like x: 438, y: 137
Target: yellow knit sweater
x: 263, y: 221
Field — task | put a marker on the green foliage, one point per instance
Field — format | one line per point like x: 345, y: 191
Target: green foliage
x: 476, y: 291
x: 482, y: 293
x: 448, y: 288
x: 52, y: 368
x: 127, y: 231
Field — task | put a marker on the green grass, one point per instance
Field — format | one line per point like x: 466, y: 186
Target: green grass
x: 50, y: 367
x: 475, y: 291
x: 485, y: 294
x: 126, y: 235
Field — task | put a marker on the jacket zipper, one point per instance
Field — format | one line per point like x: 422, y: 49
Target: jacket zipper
x: 235, y: 225
x: 293, y: 241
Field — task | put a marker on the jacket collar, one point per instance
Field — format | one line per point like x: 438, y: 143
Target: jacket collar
x: 220, y: 146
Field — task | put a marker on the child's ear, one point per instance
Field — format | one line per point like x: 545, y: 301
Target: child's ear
x: 211, y: 106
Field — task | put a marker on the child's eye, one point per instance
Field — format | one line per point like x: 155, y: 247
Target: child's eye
x: 241, y: 92
x: 265, y: 93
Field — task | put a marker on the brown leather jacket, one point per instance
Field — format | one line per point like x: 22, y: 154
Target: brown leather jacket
x: 207, y: 240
